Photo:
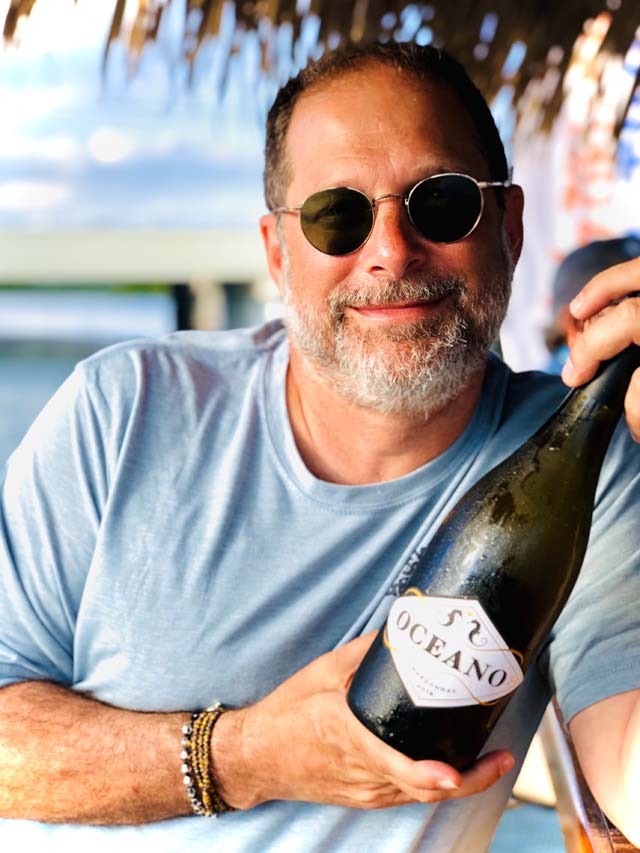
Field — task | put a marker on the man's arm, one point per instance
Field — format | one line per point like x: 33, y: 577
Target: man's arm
x: 607, y: 733
x: 65, y: 758
x: 607, y: 740
x: 68, y: 759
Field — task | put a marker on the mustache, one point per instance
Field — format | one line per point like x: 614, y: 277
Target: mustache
x: 408, y: 289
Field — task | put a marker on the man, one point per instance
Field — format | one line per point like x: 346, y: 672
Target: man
x: 573, y: 273
x: 225, y: 517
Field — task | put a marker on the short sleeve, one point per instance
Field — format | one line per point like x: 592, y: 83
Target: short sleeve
x: 52, y: 492
x: 594, y: 650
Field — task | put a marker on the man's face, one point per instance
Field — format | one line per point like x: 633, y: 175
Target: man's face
x: 401, y: 324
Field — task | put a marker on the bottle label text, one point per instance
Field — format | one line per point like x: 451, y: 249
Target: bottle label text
x: 448, y: 653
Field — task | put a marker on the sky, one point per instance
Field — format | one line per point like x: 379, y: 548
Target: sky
x: 79, y: 148
x: 83, y: 149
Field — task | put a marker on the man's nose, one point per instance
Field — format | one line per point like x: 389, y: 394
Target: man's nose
x: 394, y: 247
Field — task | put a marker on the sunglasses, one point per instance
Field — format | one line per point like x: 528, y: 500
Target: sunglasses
x: 443, y: 208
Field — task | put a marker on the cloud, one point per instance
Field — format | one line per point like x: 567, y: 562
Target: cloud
x: 111, y: 146
x: 81, y: 151
x: 32, y: 196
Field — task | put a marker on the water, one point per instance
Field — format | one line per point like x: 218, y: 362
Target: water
x: 26, y: 383
x: 45, y: 332
x: 84, y: 314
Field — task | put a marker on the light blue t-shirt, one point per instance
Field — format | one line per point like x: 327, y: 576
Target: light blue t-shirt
x: 162, y: 545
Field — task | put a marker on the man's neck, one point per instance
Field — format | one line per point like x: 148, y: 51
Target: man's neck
x: 342, y: 442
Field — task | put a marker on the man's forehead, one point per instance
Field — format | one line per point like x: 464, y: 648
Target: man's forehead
x: 373, y: 74
x: 376, y: 110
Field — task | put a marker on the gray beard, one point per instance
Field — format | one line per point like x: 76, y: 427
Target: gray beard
x: 414, y: 369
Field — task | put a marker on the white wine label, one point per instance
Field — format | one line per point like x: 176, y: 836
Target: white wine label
x: 448, y: 653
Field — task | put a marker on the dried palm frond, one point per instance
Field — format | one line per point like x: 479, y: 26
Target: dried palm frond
x: 533, y: 46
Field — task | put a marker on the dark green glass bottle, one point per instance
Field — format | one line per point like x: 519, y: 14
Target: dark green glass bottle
x: 491, y: 584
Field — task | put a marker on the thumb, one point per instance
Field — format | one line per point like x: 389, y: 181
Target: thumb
x: 347, y: 658
x: 332, y: 670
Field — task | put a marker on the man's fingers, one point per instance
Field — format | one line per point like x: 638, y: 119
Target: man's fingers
x: 436, y: 781
x: 383, y: 761
x: 614, y: 283
x: 602, y: 337
x: 412, y: 776
x: 486, y: 772
x: 632, y: 406
x: 429, y: 781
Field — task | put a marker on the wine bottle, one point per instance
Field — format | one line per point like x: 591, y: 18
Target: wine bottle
x: 491, y: 584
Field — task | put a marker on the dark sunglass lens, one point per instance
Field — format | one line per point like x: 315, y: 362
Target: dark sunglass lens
x: 445, y: 208
x: 338, y: 221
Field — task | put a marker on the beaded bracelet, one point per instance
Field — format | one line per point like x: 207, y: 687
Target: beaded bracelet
x: 196, y: 763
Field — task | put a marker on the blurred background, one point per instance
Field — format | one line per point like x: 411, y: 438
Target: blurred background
x: 131, y: 135
x: 130, y: 183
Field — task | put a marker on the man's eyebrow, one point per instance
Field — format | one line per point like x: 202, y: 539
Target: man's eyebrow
x: 427, y: 171
x: 443, y: 168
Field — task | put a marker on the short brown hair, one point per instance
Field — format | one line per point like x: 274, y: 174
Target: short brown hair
x: 424, y: 63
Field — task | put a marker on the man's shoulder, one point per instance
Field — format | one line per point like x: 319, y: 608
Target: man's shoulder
x: 182, y: 354
x: 529, y: 396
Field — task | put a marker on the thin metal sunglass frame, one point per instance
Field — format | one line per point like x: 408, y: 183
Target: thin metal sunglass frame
x: 406, y: 198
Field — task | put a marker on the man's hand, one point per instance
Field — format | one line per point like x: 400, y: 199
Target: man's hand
x: 302, y: 742
x: 607, y: 329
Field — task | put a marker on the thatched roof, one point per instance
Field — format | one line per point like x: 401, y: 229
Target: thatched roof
x: 478, y: 32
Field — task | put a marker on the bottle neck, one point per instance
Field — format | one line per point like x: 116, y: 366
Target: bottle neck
x: 593, y: 409
x: 609, y: 385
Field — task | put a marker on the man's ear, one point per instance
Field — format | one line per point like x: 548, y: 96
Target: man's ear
x: 273, y: 249
x: 512, y: 219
